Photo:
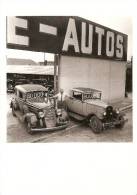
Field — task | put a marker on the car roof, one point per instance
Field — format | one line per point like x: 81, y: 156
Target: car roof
x: 30, y: 87
x: 85, y: 90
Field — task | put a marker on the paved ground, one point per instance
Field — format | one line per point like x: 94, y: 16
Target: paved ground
x: 76, y: 132
x: 83, y: 133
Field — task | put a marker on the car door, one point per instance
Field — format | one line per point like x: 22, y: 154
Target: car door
x: 75, y: 103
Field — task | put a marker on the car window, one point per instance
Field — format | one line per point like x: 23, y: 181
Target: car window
x: 77, y: 95
x: 94, y: 95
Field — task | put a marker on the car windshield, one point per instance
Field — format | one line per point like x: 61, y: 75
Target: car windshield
x: 93, y: 95
x: 37, y: 96
x: 77, y: 95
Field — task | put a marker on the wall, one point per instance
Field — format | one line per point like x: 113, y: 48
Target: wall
x: 105, y: 75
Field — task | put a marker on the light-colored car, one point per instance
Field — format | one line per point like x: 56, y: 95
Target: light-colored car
x: 31, y: 104
x: 86, y: 104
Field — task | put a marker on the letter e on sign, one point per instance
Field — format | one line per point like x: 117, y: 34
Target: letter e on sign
x: 12, y: 23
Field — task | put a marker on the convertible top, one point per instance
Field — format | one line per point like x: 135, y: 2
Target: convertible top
x: 85, y: 90
x: 30, y: 88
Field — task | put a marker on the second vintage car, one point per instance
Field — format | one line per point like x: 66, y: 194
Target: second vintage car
x: 32, y: 104
x: 86, y: 104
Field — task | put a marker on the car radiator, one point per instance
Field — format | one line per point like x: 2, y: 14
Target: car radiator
x: 50, y: 118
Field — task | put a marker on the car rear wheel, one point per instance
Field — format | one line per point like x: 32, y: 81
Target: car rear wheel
x: 95, y: 124
x: 13, y: 111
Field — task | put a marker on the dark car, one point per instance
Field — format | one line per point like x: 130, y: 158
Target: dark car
x: 10, y: 85
x: 33, y: 105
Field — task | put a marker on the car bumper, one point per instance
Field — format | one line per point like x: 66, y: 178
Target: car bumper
x: 113, y: 123
x: 59, y: 127
x: 10, y: 90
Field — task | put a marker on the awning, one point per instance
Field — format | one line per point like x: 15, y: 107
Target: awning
x: 31, y: 69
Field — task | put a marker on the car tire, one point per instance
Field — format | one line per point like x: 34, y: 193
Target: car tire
x: 95, y: 124
x: 121, y: 125
x: 29, y: 128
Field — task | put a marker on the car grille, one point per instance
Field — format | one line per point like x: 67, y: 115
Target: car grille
x: 50, y: 117
x: 109, y: 112
x: 50, y: 113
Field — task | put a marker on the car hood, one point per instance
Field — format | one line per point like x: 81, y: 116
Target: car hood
x: 40, y: 105
x: 97, y: 103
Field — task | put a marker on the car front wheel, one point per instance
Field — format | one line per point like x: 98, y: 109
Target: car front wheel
x: 29, y: 128
x: 95, y: 124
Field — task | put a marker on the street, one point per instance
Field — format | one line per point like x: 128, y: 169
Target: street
x: 76, y: 132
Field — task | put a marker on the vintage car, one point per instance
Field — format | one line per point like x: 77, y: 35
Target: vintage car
x: 86, y: 103
x: 11, y: 83
x: 33, y: 105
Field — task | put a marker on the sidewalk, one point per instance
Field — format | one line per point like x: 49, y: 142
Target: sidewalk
x: 125, y: 104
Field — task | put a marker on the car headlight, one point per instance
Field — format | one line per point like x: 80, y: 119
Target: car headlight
x: 41, y: 114
x: 59, y: 112
x: 117, y: 111
x: 104, y: 114
x: 33, y: 119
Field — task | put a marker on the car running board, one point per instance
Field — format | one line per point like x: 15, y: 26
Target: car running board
x: 76, y: 116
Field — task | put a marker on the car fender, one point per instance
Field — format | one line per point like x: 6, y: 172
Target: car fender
x: 13, y: 104
x: 30, y: 117
x: 100, y: 117
x: 90, y: 115
x: 25, y: 109
x: 65, y: 114
x: 121, y: 114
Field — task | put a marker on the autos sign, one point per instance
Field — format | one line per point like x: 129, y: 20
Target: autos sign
x: 66, y: 35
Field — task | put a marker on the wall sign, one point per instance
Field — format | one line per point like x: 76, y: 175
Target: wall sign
x: 66, y: 35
